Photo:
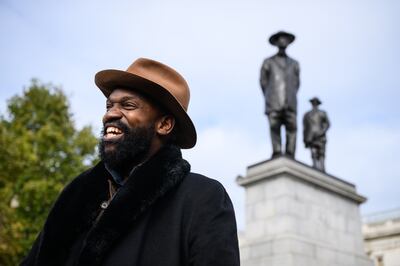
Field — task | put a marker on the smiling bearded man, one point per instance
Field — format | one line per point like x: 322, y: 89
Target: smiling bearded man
x: 141, y: 205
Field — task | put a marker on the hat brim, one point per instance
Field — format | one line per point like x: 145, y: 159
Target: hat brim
x: 274, y: 38
x: 109, y: 80
x: 315, y: 101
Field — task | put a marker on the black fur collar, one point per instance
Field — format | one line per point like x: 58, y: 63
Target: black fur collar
x: 78, y: 205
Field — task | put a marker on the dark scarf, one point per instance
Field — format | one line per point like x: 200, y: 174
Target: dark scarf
x: 78, y: 206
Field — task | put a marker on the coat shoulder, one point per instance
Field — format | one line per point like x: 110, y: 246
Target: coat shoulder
x: 293, y: 61
x: 200, y: 190
x: 268, y: 61
x: 203, y: 183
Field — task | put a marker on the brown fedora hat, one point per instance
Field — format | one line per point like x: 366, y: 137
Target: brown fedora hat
x: 162, y: 84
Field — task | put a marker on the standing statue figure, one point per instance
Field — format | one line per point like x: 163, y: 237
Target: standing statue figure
x: 316, y: 123
x: 280, y: 83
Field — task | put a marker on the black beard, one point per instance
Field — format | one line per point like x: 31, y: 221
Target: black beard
x: 130, y: 150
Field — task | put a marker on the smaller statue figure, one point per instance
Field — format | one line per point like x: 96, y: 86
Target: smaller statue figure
x: 280, y: 82
x: 316, y: 123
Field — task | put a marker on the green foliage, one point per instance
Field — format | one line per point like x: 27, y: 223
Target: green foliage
x: 40, y: 152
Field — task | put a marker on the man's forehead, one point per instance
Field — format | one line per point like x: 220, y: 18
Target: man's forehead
x: 125, y: 94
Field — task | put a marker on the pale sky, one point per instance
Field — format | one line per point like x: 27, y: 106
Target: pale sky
x: 349, y: 54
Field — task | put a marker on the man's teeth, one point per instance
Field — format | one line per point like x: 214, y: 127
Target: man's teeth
x: 113, y: 130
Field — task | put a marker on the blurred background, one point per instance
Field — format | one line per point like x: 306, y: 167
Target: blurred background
x: 348, y: 53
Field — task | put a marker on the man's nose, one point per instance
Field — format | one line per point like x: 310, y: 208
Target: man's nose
x: 113, y: 113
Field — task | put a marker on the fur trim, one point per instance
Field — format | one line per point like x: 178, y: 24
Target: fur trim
x: 77, y: 207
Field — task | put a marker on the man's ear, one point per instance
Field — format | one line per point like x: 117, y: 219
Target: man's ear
x: 165, y: 124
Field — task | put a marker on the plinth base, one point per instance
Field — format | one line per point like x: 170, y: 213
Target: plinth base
x: 297, y: 215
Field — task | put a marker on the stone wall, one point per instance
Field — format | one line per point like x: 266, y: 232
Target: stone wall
x: 296, y: 215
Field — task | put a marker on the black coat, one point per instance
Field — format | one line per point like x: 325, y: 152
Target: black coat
x: 163, y: 215
x: 280, y: 81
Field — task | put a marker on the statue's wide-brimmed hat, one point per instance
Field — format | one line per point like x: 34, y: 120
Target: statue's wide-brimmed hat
x: 315, y: 100
x: 162, y: 84
x: 274, y: 38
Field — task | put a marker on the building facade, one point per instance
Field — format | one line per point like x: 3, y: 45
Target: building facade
x: 381, y: 232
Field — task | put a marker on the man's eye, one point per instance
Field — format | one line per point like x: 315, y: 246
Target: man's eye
x: 129, y: 106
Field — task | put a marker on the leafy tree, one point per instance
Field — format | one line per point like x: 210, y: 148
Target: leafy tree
x: 40, y: 152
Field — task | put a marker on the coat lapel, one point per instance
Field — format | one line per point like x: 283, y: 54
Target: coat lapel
x: 145, y: 186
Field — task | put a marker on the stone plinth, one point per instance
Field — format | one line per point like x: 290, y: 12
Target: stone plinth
x: 296, y: 215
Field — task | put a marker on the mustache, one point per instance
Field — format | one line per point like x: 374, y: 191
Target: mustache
x: 124, y: 128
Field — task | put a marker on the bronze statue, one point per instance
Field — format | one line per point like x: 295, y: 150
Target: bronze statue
x: 316, y: 123
x: 280, y: 82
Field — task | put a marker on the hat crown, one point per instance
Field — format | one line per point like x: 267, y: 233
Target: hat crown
x: 163, y: 75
